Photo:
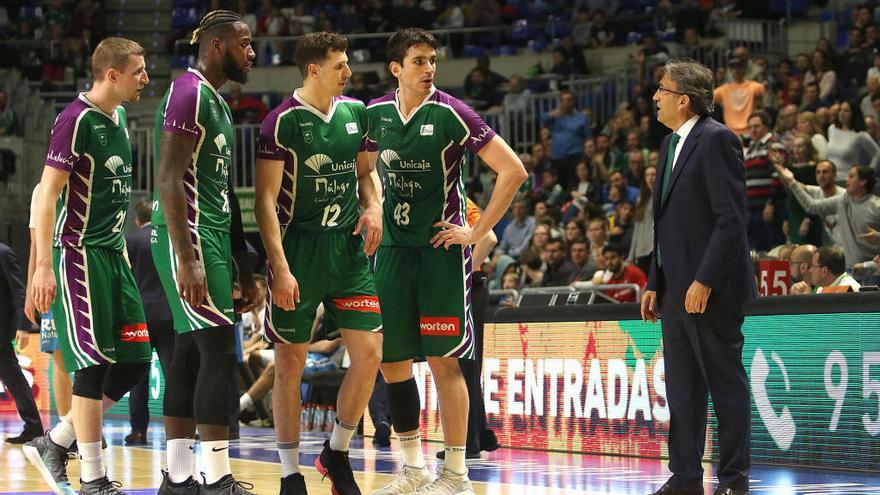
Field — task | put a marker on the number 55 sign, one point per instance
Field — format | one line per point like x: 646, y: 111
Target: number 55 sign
x: 774, y: 278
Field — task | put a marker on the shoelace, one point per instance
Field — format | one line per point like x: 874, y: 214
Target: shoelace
x: 243, y: 484
x: 107, y: 484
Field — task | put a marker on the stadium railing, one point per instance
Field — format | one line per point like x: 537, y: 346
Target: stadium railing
x: 578, y: 293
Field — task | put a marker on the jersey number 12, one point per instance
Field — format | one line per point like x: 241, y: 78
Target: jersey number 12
x: 331, y: 214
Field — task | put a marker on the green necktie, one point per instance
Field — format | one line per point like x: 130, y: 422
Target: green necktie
x: 670, y: 159
x: 667, y: 173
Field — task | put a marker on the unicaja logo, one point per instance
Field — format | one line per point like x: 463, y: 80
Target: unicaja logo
x: 315, y: 162
x: 113, y: 163
x: 388, y: 156
x: 220, y: 141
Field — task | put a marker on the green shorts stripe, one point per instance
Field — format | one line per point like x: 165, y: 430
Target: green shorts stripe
x: 214, y: 252
x: 330, y: 268
x: 98, y: 312
x: 425, y: 296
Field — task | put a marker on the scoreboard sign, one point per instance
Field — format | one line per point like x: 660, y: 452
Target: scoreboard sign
x: 599, y: 387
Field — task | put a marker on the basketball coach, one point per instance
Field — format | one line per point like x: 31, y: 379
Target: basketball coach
x: 700, y: 276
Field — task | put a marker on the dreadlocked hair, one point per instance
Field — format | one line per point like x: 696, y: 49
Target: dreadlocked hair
x: 213, y: 19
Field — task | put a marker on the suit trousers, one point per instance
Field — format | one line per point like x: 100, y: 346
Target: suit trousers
x: 16, y: 384
x: 472, y: 369
x: 703, y: 356
x: 162, y: 336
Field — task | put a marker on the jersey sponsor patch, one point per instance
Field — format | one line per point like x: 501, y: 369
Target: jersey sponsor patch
x: 440, y: 326
x: 136, y: 332
x: 351, y: 128
x: 427, y: 130
x: 365, y: 304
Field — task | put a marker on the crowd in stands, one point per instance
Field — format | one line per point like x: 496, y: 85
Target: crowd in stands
x: 50, y: 40
x: 810, y: 143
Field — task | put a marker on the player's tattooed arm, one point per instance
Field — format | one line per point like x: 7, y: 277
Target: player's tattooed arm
x: 285, y: 288
x: 174, y: 151
x: 371, y: 218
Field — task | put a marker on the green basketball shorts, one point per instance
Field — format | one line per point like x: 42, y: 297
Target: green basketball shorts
x: 214, y: 252
x: 98, y: 312
x: 330, y: 268
x: 425, y: 294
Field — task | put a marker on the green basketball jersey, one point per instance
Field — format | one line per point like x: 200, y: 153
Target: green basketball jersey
x: 420, y: 161
x: 93, y: 147
x: 319, y: 186
x: 192, y: 107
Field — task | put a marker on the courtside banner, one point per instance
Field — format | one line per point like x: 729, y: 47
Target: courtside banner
x: 599, y: 386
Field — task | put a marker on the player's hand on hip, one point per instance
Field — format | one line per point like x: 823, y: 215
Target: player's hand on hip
x: 452, y: 234
x: 192, y: 284
x: 285, y: 290
x: 697, y: 298
x: 649, y: 306
x: 371, y: 220
x: 44, y: 288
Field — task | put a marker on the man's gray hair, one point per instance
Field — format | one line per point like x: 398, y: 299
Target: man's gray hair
x: 695, y: 80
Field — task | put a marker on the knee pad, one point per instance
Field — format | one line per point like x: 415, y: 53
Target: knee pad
x: 89, y: 382
x: 216, y: 375
x: 180, y: 383
x: 122, y: 377
x: 403, y: 399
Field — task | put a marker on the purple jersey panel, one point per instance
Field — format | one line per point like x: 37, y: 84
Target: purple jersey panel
x: 180, y: 111
x: 62, y: 153
x: 479, y: 133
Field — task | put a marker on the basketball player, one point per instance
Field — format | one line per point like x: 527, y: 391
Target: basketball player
x: 81, y: 272
x: 193, y: 252
x: 423, y: 266
x: 312, y: 150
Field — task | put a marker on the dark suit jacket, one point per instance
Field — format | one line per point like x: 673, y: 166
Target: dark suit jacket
x: 156, y: 307
x: 700, y: 229
x: 12, y: 288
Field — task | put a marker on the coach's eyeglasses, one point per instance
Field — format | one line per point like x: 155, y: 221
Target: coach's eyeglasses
x: 661, y: 89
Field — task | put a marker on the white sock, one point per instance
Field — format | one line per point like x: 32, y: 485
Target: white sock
x: 341, y: 436
x: 215, y: 457
x: 454, y: 460
x: 91, y: 461
x: 63, y: 435
x: 245, y: 402
x: 411, y: 450
x: 288, y: 452
x: 179, y: 456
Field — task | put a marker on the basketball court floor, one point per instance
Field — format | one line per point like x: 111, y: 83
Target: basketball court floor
x: 503, y: 472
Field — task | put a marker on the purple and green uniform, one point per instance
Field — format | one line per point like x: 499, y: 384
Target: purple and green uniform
x: 192, y: 108
x: 97, y: 311
x: 317, y: 210
x: 425, y: 292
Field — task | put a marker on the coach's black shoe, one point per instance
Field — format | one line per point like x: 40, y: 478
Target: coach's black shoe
x: 382, y: 436
x: 136, y: 438
x: 294, y: 484
x: 26, y: 435
x: 50, y: 459
x: 100, y: 486
x: 730, y: 491
x: 227, y: 485
x: 670, y: 488
x: 168, y: 487
x: 335, y: 466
